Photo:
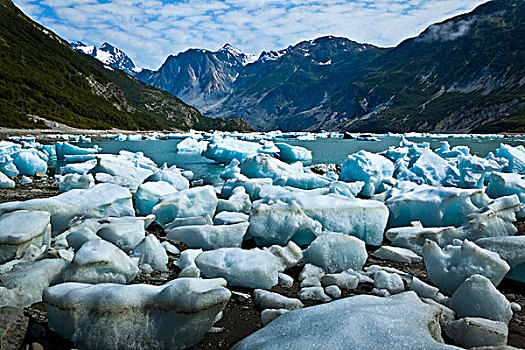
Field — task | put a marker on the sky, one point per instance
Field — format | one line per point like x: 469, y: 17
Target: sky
x: 150, y: 30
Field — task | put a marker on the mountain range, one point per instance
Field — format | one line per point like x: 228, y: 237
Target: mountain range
x: 466, y: 74
x: 42, y: 76
x: 109, y: 55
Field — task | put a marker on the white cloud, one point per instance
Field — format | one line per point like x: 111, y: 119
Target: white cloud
x: 150, y: 30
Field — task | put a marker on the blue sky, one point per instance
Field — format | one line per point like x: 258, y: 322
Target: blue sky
x: 150, y: 30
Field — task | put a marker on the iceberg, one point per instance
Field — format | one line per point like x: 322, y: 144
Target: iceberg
x: 173, y: 176
x: 209, y: 237
x: 65, y: 148
x: 70, y: 182
x: 502, y: 184
x: 175, y: 315
x: 269, y: 300
x: 231, y: 170
x: 122, y: 167
x: 148, y: 195
x: 21, y: 229
x: 289, y: 153
x: 477, y: 297
x: 288, y: 214
x: 397, y: 254
x: 252, y: 187
x: 515, y: 157
x: 229, y: 218
x: 433, y: 169
x: 99, y: 261
x: 389, y: 281
x: 369, y: 323
x: 512, y: 250
x: 124, y: 232
x: 373, y: 169
x: 450, y: 267
x: 24, y: 284
x: 189, y: 144
x: 246, y: 268
x: 432, y: 206
x: 6, y: 182
x: 475, y: 332
x: 196, y: 201
x: 287, y: 256
x: 28, y: 162
x: 336, y: 252
x: 224, y: 150
x: 239, y: 201
x: 150, y: 251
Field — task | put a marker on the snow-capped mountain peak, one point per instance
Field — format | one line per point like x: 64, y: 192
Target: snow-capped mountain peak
x: 243, y: 57
x: 110, y: 56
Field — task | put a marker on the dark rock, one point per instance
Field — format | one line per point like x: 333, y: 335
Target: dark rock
x: 13, y: 328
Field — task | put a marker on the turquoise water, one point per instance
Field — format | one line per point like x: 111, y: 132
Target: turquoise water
x: 323, y: 151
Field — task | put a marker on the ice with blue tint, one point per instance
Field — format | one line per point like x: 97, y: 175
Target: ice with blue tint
x: 80, y: 235
x: 290, y: 153
x: 433, y: 169
x: 28, y: 162
x: 478, y: 297
x: 7, y: 166
x: 432, y: 206
x: 50, y: 151
x: 171, y: 175
x: 240, y: 267
x: 495, y: 219
x: 512, y: 250
x: 446, y: 152
x: 223, y: 150
x: 65, y: 148
x: 286, y: 213
x: 373, y: 169
x: 503, y: 184
x: 23, y: 285
x: 252, y: 187
x: 209, y: 237
x: 175, y: 315
x: 239, y: 201
x: 150, y: 251
x: 189, y: 144
x: 336, y: 252
x: 20, y: 229
x: 99, y: 261
x: 123, y: 167
x: 474, y: 170
x: 358, y: 322
x: 265, y: 166
x: 6, y: 182
x: 148, y: 195
x: 196, y: 201
x: 79, y: 168
x: 70, y: 182
x: 101, y: 200
x: 450, y: 267
x: 228, y: 218
x: 124, y: 232
x: 515, y: 157
x: 231, y: 170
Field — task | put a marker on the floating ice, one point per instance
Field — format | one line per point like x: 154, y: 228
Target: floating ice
x: 148, y: 195
x: 336, y: 252
x: 515, y: 156
x: 371, y: 168
x: 369, y: 323
x: 252, y: 186
x: 209, y: 237
x: 247, y: 268
x: 173, y: 176
x: 123, y: 167
x: 151, y: 252
x: 450, y: 267
x: 175, y: 315
x: 512, y: 250
x: 189, y: 144
x: 80, y: 168
x: 477, y: 297
x: 75, y: 181
x: 223, y: 150
x: 290, y: 153
x: 231, y: 170
x: 99, y: 261
x: 196, y: 201
x: 65, y: 148
x: 433, y: 169
x: 21, y: 229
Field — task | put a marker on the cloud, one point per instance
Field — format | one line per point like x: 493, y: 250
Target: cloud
x: 150, y: 30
